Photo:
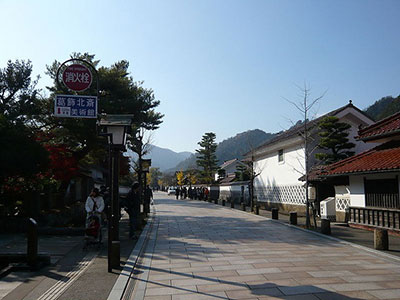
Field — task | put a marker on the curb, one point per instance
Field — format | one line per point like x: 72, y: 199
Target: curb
x: 122, y: 282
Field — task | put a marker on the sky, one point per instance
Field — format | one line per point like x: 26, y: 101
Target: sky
x: 222, y: 66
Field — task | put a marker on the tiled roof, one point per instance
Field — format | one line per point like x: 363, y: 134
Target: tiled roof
x: 228, y: 178
x: 385, y: 157
x: 227, y: 163
x: 387, y: 126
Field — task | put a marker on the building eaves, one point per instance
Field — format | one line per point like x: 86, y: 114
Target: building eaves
x: 299, y: 129
x: 383, y: 128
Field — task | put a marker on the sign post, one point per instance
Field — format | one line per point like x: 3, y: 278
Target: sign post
x: 74, y: 106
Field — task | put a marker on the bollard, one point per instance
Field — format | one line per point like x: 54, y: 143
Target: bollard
x: 115, y: 254
x: 275, y: 215
x: 325, y: 226
x: 232, y: 204
x: 223, y: 202
x: 293, y: 218
x: 381, y: 239
x: 257, y: 209
x: 243, y: 206
x: 32, y: 249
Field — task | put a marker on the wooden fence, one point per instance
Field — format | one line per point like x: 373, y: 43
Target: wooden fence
x: 376, y: 217
x: 382, y: 200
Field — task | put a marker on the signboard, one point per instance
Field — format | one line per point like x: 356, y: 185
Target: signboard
x: 73, y: 106
x: 146, y: 163
x: 77, y: 77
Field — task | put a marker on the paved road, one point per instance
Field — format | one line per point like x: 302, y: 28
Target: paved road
x: 199, y: 250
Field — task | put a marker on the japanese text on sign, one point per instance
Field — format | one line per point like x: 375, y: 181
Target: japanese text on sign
x: 75, y: 106
x: 77, y: 77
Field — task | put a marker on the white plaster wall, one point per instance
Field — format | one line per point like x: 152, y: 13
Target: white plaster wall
x: 357, y: 196
x: 287, y: 172
x: 353, y: 132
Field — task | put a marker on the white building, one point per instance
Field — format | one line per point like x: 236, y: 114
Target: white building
x: 229, y: 167
x: 371, y: 179
x: 281, y: 161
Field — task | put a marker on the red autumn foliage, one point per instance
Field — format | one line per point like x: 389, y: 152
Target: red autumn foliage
x: 63, y: 164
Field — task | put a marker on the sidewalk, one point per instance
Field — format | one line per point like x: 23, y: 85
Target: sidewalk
x: 339, y: 230
x: 74, y: 273
x: 199, y: 250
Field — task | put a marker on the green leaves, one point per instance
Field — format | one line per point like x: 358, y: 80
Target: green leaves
x: 334, y: 139
x: 207, y: 158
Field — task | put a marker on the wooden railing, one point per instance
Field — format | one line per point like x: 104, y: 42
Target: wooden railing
x: 373, y: 216
x: 382, y: 200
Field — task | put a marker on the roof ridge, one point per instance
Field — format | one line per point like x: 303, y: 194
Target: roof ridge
x: 378, y: 123
x: 297, y: 129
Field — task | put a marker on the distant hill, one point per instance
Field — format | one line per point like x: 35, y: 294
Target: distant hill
x: 230, y: 148
x: 383, y: 108
x: 163, y: 158
x: 240, y: 144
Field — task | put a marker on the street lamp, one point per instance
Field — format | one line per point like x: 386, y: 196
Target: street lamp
x: 116, y: 128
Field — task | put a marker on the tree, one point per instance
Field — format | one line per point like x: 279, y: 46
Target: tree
x: 334, y: 138
x: 304, y: 106
x: 192, y: 176
x: 207, y: 159
x: 18, y: 94
x: 118, y: 94
x: 243, y: 172
x: 22, y: 157
x: 154, y: 176
x: 20, y: 154
x: 221, y: 174
x: 180, y: 177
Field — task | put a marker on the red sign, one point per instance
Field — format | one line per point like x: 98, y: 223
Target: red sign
x: 77, y: 77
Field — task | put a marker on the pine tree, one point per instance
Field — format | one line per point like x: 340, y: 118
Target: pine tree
x: 334, y: 138
x: 207, y: 158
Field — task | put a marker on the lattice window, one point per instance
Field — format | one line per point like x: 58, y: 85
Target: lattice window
x: 342, y: 203
x: 290, y: 194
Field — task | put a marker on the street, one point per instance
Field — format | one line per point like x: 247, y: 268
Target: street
x: 199, y: 250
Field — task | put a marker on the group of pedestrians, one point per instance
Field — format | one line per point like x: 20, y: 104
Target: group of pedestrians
x: 194, y: 193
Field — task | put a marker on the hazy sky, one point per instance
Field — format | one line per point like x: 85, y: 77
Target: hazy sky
x: 220, y: 65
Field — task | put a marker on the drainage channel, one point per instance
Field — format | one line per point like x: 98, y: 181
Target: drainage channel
x: 138, y: 279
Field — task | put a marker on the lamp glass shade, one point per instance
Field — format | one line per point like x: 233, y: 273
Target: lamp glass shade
x: 118, y: 134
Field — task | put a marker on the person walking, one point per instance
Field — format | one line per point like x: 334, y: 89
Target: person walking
x: 94, y: 205
x: 148, y: 196
x: 132, y: 207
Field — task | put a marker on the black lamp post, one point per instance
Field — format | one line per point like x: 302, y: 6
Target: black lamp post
x: 116, y: 128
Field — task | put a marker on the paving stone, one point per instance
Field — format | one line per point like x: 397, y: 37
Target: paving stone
x: 345, y: 287
x: 164, y: 297
x: 302, y: 289
x: 245, y: 294
x: 259, y: 271
x: 170, y: 290
x: 200, y: 296
x: 386, y: 294
x: 331, y: 273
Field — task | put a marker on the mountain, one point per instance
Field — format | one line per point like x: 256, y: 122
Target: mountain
x: 383, y: 108
x: 162, y: 158
x: 240, y: 144
x: 230, y: 148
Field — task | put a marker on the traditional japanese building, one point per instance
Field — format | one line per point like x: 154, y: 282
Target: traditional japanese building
x: 281, y: 161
